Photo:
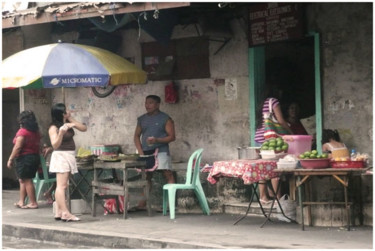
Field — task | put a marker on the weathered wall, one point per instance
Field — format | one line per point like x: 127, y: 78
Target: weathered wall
x: 347, y: 87
x: 346, y: 55
x: 202, y: 116
x: 205, y: 117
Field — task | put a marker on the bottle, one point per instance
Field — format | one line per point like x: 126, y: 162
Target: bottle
x: 353, y: 155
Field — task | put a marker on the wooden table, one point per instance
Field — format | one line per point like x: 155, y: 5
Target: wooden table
x: 340, y: 174
x: 251, y: 172
x: 105, y: 189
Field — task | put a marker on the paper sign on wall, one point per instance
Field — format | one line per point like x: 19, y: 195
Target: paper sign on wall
x: 230, y: 89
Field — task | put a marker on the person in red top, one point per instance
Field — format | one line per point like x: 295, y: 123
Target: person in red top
x: 25, y: 157
x: 293, y: 119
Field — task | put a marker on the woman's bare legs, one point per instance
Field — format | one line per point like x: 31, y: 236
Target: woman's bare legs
x: 27, y: 189
x: 263, y: 192
x: 22, y: 193
x: 48, y: 193
x: 61, y: 186
x: 275, y: 183
x: 30, y: 191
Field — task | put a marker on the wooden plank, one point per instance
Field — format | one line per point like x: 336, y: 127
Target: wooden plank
x: 119, y: 164
x: 324, y: 203
x: 107, y: 192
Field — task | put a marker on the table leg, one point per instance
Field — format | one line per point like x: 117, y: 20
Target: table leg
x: 126, y: 193
x: 253, y: 188
x: 67, y: 194
x: 147, y: 192
x: 347, y: 206
x: 300, y: 201
x: 93, y: 205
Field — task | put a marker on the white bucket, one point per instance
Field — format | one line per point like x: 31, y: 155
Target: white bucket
x: 77, y: 207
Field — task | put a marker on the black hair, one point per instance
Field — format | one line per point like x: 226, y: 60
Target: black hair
x: 57, y: 113
x: 330, y: 134
x: 27, y: 120
x: 154, y: 97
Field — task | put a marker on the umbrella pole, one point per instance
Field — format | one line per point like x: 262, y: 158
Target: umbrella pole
x: 22, y: 99
x: 63, y: 94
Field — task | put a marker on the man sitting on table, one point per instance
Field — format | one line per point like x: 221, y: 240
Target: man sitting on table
x: 154, y: 131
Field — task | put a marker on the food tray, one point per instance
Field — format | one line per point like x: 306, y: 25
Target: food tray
x: 105, y: 149
x: 348, y: 164
x: 315, y: 163
x: 128, y: 156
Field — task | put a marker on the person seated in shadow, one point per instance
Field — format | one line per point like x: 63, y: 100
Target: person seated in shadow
x: 293, y: 119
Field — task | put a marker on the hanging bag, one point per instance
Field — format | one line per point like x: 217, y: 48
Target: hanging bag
x: 171, y: 94
x: 272, y: 128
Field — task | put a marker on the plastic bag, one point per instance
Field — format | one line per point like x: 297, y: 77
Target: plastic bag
x: 171, y: 94
x: 289, y: 207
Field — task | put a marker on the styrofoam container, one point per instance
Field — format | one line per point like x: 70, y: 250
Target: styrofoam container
x: 286, y: 164
x: 298, y: 143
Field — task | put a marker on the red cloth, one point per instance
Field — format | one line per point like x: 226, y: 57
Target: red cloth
x: 32, y: 141
x: 250, y: 171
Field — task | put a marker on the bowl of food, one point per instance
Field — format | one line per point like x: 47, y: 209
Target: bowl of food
x: 315, y: 163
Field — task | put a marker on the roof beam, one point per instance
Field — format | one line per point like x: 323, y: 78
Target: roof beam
x: 18, y: 19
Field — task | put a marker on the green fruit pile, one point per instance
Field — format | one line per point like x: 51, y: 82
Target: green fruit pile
x: 278, y: 145
x: 313, y: 155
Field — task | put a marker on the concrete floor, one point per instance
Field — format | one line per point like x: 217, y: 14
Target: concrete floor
x: 187, y: 231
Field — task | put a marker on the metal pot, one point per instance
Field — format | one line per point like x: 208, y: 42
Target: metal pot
x: 247, y: 152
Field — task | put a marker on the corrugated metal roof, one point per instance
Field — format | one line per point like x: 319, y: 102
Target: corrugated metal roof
x: 18, y: 15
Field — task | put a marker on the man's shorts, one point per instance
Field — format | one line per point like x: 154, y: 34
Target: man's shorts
x: 164, y: 161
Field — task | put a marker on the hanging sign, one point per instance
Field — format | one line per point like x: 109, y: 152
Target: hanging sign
x: 272, y: 22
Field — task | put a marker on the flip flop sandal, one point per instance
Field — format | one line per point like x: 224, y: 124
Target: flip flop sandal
x: 265, y: 202
x: 71, y: 218
x: 17, y: 205
x: 29, y: 207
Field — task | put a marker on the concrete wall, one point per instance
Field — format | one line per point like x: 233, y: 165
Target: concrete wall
x: 204, y: 116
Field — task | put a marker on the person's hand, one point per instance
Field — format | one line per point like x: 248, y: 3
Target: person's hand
x: 46, y: 150
x: 64, y: 128
x: 150, y: 141
x: 10, y: 163
x: 70, y: 125
x: 67, y: 115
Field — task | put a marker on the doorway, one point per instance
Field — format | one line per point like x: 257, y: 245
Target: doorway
x: 291, y: 65
x: 295, y: 66
x: 10, y: 109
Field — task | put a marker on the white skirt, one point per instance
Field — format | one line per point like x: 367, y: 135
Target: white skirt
x: 63, y: 162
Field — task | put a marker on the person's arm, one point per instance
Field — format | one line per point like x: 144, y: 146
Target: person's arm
x: 73, y: 123
x: 137, y: 139
x: 56, y: 135
x: 279, y: 116
x: 46, y: 150
x: 16, y: 150
x: 171, y: 136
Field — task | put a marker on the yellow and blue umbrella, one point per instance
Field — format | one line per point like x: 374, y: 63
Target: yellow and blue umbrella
x: 68, y: 65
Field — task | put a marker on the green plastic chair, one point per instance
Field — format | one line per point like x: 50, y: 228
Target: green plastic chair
x: 192, y: 182
x: 39, y: 182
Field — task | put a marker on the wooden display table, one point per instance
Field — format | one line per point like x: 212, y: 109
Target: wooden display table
x: 340, y: 174
x: 105, y: 189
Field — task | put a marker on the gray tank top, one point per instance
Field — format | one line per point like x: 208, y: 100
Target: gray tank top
x: 153, y: 126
